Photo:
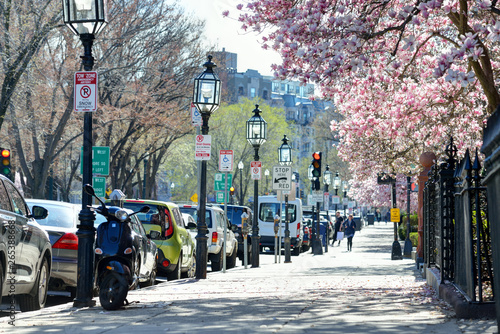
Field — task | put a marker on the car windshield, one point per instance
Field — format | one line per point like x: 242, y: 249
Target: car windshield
x: 143, y: 217
x: 59, y: 216
x: 269, y: 210
x: 193, y: 211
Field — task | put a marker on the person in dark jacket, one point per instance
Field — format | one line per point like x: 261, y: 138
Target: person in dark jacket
x: 349, y: 230
x: 338, y: 224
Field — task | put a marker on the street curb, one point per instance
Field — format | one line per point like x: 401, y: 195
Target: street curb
x: 463, y: 308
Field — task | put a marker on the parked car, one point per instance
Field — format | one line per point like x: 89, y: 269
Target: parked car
x: 323, y: 221
x: 190, y: 225
x: 61, y: 226
x: 216, y: 220
x: 234, y: 213
x: 176, y: 248
x: 331, y: 223
x: 269, y: 206
x: 25, y: 250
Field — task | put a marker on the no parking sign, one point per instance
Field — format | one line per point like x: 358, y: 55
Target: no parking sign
x: 85, y: 94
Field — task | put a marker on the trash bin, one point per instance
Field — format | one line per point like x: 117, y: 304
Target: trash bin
x: 371, y: 218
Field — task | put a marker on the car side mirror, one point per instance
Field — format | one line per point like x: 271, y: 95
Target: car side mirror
x: 39, y: 212
x: 155, y: 235
x: 191, y: 226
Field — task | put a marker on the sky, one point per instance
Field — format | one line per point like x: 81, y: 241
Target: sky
x: 225, y: 32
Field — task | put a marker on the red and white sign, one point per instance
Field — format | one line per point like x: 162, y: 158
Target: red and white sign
x: 255, y: 167
x: 203, y: 145
x: 225, y: 160
x: 196, y: 119
x: 85, y: 95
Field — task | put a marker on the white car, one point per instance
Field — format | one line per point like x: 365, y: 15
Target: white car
x: 190, y: 225
x: 216, y: 220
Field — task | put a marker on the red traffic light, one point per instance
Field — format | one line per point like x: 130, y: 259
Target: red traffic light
x: 5, y: 153
x: 316, y: 155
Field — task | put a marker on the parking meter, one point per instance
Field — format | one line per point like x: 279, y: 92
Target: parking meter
x: 244, y: 224
x: 276, y: 224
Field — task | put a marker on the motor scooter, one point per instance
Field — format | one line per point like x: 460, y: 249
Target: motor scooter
x: 116, y: 259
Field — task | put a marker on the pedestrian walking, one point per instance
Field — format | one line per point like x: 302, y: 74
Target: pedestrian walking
x: 387, y: 217
x: 349, y: 230
x: 338, y: 226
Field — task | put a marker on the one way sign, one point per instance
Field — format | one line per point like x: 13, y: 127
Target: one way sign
x: 282, y: 178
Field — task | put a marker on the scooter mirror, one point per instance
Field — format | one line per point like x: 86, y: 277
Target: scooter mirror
x: 144, y: 209
x: 89, y: 190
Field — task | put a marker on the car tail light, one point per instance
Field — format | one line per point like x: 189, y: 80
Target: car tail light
x: 165, y: 263
x: 298, y: 230
x: 215, y: 236
x: 67, y: 241
x: 168, y: 226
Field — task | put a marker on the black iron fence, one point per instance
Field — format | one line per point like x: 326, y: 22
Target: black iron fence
x: 457, y: 238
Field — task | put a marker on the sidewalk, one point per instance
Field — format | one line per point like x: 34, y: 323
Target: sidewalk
x: 362, y: 291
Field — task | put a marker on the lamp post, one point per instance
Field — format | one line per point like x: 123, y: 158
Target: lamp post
x: 206, y: 98
x: 327, y: 180
x: 266, y: 173
x: 240, y: 167
x: 256, y: 136
x: 86, y: 19
x: 336, y: 186
x: 285, y: 159
x: 345, y: 186
x: 146, y: 158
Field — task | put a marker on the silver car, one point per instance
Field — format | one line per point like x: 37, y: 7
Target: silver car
x: 61, y: 225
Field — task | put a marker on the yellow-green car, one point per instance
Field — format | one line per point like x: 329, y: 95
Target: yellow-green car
x: 176, y: 247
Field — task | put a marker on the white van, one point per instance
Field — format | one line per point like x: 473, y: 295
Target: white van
x: 269, y: 206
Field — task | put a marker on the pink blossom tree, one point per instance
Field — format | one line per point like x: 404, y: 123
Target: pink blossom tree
x: 406, y: 75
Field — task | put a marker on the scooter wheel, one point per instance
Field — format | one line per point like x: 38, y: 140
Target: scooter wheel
x: 113, y: 291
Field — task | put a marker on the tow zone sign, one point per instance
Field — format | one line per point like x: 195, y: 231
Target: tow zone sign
x: 85, y: 94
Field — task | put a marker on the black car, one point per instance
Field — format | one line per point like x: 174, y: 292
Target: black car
x: 234, y: 213
x: 25, y: 250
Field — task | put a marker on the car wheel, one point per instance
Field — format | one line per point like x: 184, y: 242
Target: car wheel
x: 113, y: 291
x: 1, y: 281
x: 152, y: 277
x: 217, y: 263
x: 231, y: 260
x: 137, y: 273
x: 176, y: 274
x: 191, y: 270
x: 37, y: 301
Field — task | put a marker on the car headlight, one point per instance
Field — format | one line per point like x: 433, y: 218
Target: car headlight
x: 121, y: 215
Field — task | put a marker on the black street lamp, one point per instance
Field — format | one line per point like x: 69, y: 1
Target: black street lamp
x: 206, y: 98
x: 240, y: 167
x: 256, y: 136
x: 345, y: 187
x: 146, y: 159
x: 285, y: 159
x: 86, y: 18
x: 336, y: 185
x: 266, y: 173
x: 327, y: 180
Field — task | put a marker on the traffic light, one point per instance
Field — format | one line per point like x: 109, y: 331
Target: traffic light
x: 231, y: 191
x: 5, y: 162
x: 316, y: 163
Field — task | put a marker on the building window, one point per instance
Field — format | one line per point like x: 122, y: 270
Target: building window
x: 264, y: 95
x: 252, y: 92
x: 240, y: 90
x: 283, y: 87
x: 276, y: 87
x: 297, y: 90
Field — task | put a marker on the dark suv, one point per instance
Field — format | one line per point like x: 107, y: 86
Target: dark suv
x: 25, y: 251
x: 234, y: 213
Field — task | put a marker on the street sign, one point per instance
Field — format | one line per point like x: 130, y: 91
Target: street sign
x: 220, y: 181
x: 99, y: 185
x: 282, y: 178
x: 100, y: 160
x: 220, y: 196
x: 291, y: 194
x: 196, y: 119
x: 335, y: 199
x: 317, y: 196
x: 255, y: 167
x: 85, y: 94
x: 225, y: 160
x: 194, y: 198
x: 203, y: 145
x: 395, y: 216
x: 326, y: 201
